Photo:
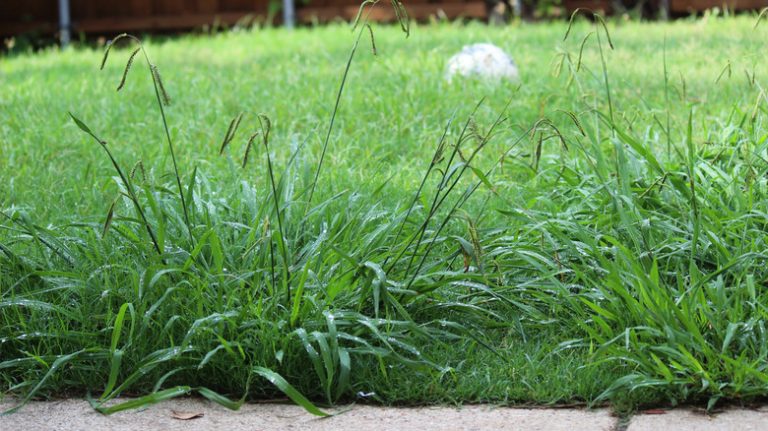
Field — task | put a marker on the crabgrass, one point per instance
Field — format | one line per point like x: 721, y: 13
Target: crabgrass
x: 594, y: 234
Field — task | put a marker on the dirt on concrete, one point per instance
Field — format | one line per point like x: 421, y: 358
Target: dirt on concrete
x: 78, y: 415
x: 192, y: 414
x: 699, y: 420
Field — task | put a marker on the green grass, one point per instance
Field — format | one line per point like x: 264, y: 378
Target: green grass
x: 595, y: 234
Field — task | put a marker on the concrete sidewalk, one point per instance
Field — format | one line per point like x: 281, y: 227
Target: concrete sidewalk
x: 169, y: 416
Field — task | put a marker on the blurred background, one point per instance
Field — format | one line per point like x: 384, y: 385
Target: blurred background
x: 46, y: 21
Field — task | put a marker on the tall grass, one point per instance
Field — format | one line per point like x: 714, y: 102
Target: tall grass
x: 661, y: 259
x: 635, y: 245
x: 179, y: 287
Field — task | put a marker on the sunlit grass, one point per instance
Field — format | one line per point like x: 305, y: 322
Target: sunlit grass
x: 563, y: 248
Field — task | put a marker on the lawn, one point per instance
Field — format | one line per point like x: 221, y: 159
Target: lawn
x: 595, y: 233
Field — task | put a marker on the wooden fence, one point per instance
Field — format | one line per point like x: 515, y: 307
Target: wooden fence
x: 109, y: 17
x: 94, y: 16
x: 686, y: 6
x: 674, y: 7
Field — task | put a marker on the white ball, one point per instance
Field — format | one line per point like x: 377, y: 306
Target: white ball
x: 482, y: 60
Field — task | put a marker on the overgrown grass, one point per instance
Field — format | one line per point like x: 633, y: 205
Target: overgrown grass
x: 595, y: 234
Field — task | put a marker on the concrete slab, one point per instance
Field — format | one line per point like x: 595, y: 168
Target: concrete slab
x: 696, y: 420
x: 77, y: 415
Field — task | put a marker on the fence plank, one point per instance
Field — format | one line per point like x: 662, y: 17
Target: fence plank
x: 684, y: 6
x: 207, y: 6
x: 141, y: 8
x: 384, y: 11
